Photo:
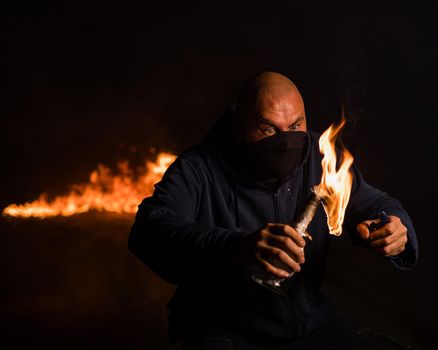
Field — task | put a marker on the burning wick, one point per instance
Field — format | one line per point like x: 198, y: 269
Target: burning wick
x: 333, y: 193
x: 334, y: 190
x: 336, y: 181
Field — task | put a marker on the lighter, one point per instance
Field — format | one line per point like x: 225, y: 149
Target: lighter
x: 383, y: 220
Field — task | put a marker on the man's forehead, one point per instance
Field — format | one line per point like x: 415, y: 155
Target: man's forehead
x: 273, y: 96
x: 286, y: 105
x: 287, y: 102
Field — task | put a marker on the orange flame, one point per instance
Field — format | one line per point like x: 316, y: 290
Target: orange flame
x: 104, y: 192
x: 335, y: 187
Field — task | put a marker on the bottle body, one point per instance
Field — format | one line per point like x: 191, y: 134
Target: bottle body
x: 280, y: 285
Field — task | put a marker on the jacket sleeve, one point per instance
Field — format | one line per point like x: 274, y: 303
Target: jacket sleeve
x: 167, y: 236
x: 365, y: 202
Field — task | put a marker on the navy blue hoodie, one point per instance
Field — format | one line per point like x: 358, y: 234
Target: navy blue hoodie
x: 187, y: 231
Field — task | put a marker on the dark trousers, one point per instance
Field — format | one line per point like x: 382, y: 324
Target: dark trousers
x: 341, y: 333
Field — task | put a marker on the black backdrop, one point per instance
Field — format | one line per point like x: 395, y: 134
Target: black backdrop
x: 84, y: 81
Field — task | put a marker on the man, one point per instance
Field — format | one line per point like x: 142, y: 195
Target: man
x: 227, y: 205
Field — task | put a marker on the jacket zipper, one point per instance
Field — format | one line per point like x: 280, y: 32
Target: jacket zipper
x: 294, y: 312
x: 276, y: 210
x: 290, y: 308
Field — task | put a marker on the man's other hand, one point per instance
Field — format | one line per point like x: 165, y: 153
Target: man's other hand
x: 389, y: 240
x: 277, y: 248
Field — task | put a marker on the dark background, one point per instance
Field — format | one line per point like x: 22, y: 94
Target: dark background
x: 83, y: 82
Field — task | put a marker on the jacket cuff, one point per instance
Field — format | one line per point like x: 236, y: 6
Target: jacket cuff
x: 407, y: 259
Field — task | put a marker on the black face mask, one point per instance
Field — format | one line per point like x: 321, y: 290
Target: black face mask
x: 272, y: 158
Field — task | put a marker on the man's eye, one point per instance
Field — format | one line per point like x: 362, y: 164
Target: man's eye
x: 294, y: 127
x: 269, y: 131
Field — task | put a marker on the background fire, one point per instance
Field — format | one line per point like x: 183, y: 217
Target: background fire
x: 114, y: 193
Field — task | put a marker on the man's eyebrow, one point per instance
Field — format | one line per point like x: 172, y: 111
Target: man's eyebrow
x: 265, y: 121
x: 299, y: 120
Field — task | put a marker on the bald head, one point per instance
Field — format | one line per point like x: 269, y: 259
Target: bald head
x: 268, y: 104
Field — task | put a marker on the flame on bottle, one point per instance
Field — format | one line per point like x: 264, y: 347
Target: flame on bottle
x: 336, y: 180
x: 105, y: 191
